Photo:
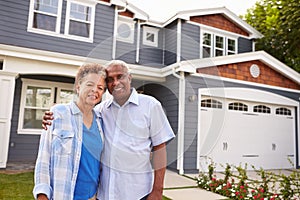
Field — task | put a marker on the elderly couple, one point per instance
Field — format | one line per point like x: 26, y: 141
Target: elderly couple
x: 108, y: 151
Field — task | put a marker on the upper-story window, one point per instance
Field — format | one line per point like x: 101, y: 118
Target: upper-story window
x: 37, y: 97
x: 213, y: 45
x: 150, y: 36
x: 45, y: 17
x: 125, y: 29
x: 79, y: 18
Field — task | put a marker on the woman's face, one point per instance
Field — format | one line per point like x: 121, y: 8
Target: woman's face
x: 90, y: 89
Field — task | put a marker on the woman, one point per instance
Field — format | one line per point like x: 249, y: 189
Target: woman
x: 68, y: 162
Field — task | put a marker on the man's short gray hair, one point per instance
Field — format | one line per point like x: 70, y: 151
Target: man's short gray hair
x: 118, y: 63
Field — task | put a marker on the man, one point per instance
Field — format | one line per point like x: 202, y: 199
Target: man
x: 134, y: 126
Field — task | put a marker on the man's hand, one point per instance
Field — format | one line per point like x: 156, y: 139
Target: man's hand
x: 42, y: 197
x: 47, y: 118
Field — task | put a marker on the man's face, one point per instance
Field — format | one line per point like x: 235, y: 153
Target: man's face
x: 118, y: 83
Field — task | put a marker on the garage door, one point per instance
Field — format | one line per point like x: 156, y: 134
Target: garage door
x: 235, y: 129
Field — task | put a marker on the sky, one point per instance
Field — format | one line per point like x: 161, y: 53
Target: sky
x: 161, y: 10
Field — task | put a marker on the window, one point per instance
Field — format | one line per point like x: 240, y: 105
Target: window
x: 47, y: 17
x: 37, y: 97
x: 211, y: 103
x: 79, y: 20
x: 261, y: 109
x: 283, y: 111
x: 238, y: 106
x: 207, y: 45
x: 213, y: 45
x: 150, y: 36
x: 125, y: 29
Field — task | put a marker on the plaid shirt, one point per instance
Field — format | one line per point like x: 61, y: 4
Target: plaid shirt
x: 59, y: 153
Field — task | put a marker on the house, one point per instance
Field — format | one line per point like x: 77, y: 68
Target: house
x: 225, y: 101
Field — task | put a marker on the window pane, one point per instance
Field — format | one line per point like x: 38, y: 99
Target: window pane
x: 65, y: 96
x: 33, y: 118
x: 219, y: 52
x: 45, y: 22
x: 219, y: 42
x: 207, y: 39
x: 79, y: 28
x: 48, y: 6
x: 206, y: 52
x: 150, y: 37
x: 38, y: 97
x: 80, y: 12
x: 231, y: 45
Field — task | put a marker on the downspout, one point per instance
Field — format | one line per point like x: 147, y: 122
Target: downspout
x: 181, y: 113
x: 137, y: 56
x: 114, y: 42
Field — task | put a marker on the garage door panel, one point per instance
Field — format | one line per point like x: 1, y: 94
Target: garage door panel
x: 259, y: 139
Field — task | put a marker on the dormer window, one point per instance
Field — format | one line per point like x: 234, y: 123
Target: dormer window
x: 125, y: 29
x: 215, y: 44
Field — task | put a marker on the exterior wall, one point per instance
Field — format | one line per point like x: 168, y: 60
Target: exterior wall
x: 24, y: 147
x: 170, y: 38
x: 13, y: 31
x: 151, y: 56
x: 220, y: 22
x: 240, y: 71
x: 190, y: 41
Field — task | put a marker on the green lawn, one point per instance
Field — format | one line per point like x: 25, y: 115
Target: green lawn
x: 18, y: 186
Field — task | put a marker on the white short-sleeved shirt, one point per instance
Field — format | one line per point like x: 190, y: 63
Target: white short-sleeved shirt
x: 130, y: 133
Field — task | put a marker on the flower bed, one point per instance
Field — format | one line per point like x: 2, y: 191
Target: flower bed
x: 235, y: 184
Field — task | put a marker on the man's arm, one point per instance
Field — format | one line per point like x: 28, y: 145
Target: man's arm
x: 159, y: 165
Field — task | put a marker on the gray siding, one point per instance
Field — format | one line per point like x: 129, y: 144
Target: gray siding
x: 13, y: 31
x: 25, y: 146
x: 190, y: 42
x: 170, y: 37
x: 151, y: 56
x: 244, y: 45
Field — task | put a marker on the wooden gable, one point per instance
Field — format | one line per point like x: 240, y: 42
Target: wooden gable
x: 127, y: 13
x: 220, y: 22
x: 241, y: 71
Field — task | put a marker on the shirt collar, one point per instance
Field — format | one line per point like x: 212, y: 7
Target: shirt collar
x: 134, y: 98
x: 74, y: 108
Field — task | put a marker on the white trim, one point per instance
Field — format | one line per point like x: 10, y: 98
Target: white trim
x: 151, y: 30
x: 92, y: 6
x: 244, y: 57
x: 178, y: 52
x: 130, y: 23
x: 245, y: 82
x: 185, y: 15
x: 114, y: 42
x: 138, y: 43
x: 41, y: 84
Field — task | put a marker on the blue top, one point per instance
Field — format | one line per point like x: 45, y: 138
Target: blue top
x: 89, y: 167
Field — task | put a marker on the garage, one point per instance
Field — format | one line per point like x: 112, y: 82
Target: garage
x: 240, y: 125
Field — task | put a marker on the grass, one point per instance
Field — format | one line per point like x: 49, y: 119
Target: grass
x: 16, y: 186
x: 19, y: 186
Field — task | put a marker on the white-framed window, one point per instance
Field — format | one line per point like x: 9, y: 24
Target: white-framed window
x: 215, y: 44
x: 150, y: 36
x: 45, y: 17
x: 79, y: 20
x: 125, y: 29
x: 36, y: 98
